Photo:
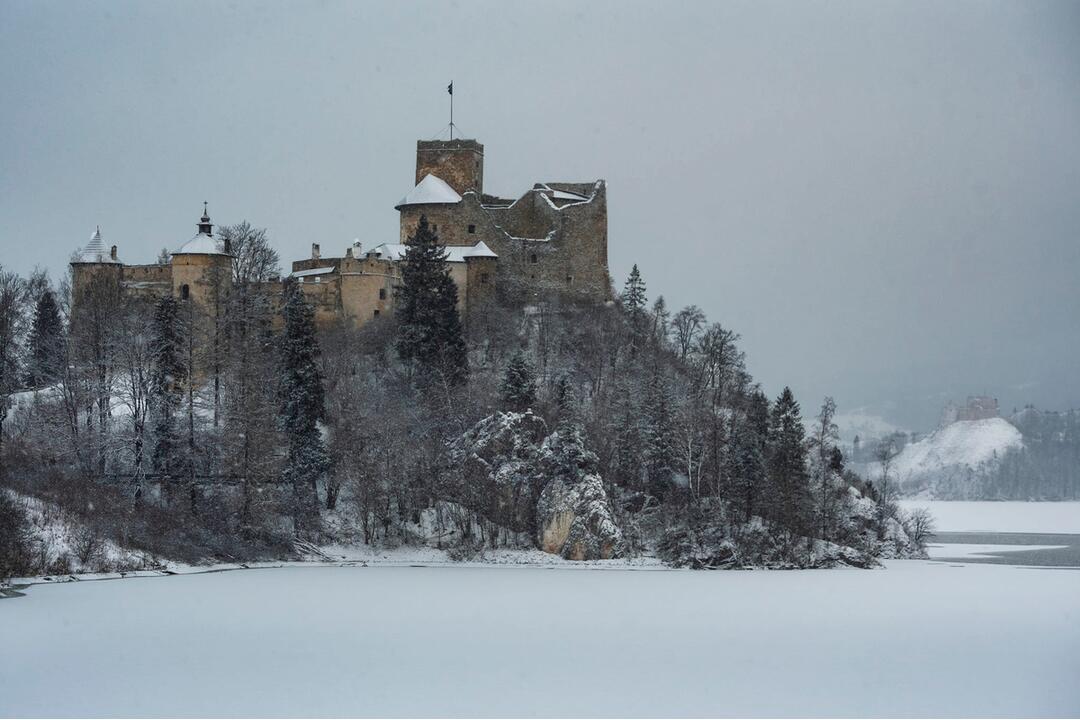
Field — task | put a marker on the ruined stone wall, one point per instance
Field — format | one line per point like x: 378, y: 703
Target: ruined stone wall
x: 560, y: 249
x: 460, y: 163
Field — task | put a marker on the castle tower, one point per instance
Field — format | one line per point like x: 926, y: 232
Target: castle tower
x: 94, y: 263
x: 202, y: 267
x: 459, y: 163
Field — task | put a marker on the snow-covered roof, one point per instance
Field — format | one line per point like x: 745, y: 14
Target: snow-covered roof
x: 312, y: 271
x: 480, y: 249
x: 564, y: 195
x: 202, y: 244
x: 432, y: 190
x: 96, y: 252
x: 454, y: 253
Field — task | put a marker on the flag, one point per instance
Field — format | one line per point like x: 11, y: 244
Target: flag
x: 450, y: 88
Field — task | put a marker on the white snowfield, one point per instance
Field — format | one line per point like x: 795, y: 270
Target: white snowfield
x: 1017, y: 517
x: 964, y: 444
x: 916, y: 639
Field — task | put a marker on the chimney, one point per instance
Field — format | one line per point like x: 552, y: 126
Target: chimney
x: 228, y: 246
x: 314, y: 251
x: 112, y: 252
x: 348, y: 252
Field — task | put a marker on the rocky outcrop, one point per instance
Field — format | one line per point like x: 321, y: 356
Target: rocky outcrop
x: 576, y: 521
x: 516, y: 474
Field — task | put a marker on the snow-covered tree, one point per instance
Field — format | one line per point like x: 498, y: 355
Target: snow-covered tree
x: 518, y: 387
x: 302, y: 407
x: 12, y: 319
x: 659, y: 435
x: 633, y: 295
x: 747, y: 454
x: 787, y: 465
x: 46, y: 341
x: 430, y: 336
x: 168, y: 377
x: 826, y: 463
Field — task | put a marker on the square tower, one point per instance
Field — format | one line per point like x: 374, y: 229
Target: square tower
x: 459, y: 162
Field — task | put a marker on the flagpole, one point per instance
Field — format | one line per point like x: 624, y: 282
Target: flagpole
x: 451, y: 109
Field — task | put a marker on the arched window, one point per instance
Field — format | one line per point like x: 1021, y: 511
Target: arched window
x: 532, y: 258
x: 185, y: 292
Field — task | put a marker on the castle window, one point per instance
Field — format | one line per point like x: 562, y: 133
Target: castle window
x: 472, y: 229
x: 569, y: 279
x: 376, y: 314
x: 532, y: 258
x: 185, y: 292
x: 382, y: 293
x: 483, y: 278
x: 434, y: 227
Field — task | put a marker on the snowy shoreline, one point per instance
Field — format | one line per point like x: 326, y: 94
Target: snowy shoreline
x: 396, y: 558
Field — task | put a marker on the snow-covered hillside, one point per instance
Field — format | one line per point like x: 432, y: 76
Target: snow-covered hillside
x: 59, y: 544
x: 959, y: 452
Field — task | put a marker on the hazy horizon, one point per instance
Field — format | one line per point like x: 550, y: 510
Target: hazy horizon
x: 883, y: 199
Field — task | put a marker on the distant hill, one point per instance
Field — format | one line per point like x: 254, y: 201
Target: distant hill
x: 955, y: 457
x: 1032, y: 455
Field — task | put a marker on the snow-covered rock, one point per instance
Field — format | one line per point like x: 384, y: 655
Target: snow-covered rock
x: 576, y: 521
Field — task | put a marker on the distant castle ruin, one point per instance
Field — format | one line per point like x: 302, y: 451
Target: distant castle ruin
x: 978, y: 407
x: 551, y: 240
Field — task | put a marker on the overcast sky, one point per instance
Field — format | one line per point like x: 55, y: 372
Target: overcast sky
x: 882, y: 198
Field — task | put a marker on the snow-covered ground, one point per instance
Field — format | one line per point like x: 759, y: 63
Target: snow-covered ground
x: 915, y: 639
x: 1025, y: 517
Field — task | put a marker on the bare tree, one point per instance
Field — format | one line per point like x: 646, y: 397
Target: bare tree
x: 885, y: 454
x: 824, y: 441
x: 13, y: 296
x: 919, y: 525
x: 687, y: 325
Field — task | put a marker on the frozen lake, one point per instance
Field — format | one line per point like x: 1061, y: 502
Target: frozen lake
x: 1001, y: 517
x: 915, y: 639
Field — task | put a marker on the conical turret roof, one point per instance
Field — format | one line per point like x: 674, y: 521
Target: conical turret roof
x: 96, y: 252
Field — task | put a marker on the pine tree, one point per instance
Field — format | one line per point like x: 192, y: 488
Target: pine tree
x: 46, y: 342
x: 302, y: 406
x: 431, y: 339
x: 787, y: 465
x: 633, y: 296
x: 747, y: 451
x: 167, y: 378
x: 658, y: 434
x: 518, y: 387
x: 627, y: 450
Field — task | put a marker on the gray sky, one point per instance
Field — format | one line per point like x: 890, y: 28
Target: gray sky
x: 883, y: 198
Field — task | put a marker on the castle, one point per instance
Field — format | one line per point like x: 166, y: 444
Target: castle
x: 979, y: 407
x: 550, y: 240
